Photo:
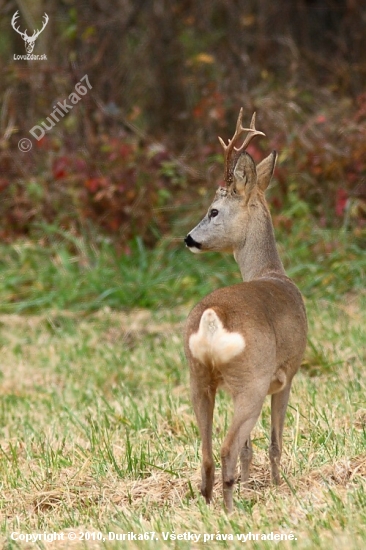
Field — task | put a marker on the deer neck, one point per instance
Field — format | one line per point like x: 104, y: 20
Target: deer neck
x: 257, y: 254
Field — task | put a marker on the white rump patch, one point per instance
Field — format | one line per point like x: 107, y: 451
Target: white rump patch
x: 212, y: 342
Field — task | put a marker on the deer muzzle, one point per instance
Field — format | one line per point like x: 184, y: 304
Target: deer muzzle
x: 193, y: 245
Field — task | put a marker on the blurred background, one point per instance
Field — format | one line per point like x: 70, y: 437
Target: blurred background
x: 135, y: 159
x: 108, y: 157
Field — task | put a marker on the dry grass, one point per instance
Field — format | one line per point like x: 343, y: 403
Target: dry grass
x: 97, y: 434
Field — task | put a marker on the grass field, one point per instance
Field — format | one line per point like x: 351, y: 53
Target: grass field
x: 97, y: 429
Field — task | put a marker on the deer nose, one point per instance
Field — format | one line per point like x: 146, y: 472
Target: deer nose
x: 190, y: 242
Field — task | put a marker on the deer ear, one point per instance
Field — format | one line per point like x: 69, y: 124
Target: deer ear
x: 265, y: 170
x: 245, y: 175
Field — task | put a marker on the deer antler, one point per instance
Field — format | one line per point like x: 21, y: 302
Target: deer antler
x: 44, y: 24
x: 13, y: 21
x: 24, y: 34
x: 230, y: 148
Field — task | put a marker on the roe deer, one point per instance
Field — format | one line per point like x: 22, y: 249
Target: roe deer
x: 249, y: 337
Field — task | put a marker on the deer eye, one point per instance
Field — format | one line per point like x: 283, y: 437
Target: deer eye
x: 213, y: 213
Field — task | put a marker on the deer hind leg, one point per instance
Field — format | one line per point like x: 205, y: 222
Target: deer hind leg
x: 278, y: 412
x: 203, y: 393
x: 246, y: 455
x: 247, y: 408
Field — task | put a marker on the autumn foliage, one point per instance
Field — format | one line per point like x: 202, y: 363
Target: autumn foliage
x: 166, y: 79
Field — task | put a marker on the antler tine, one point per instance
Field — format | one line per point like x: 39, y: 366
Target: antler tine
x: 37, y: 33
x: 15, y: 17
x: 252, y: 133
x: 230, y: 147
x: 13, y: 23
x: 238, y: 131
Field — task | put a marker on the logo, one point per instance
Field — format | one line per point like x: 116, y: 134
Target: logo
x: 29, y: 40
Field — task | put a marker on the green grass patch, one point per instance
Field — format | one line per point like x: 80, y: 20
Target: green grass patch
x: 96, y: 426
x: 72, y: 273
x: 98, y: 434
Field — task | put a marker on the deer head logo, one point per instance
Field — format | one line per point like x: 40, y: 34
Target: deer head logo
x: 29, y: 40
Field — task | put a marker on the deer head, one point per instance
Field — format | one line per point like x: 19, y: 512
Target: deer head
x: 29, y: 40
x: 239, y: 208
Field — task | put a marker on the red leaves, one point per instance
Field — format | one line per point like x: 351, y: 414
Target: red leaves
x: 255, y: 152
x: 92, y: 185
x: 120, y: 151
x: 321, y: 119
x: 323, y: 158
x: 210, y: 106
x: 3, y: 184
x: 60, y: 167
x: 123, y: 184
x: 114, y: 224
x: 341, y: 201
x: 65, y: 166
